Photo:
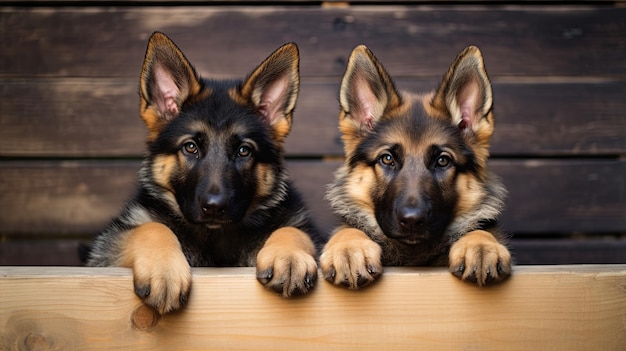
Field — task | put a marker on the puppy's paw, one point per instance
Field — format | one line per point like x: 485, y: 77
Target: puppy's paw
x: 163, y: 283
x: 351, y: 259
x: 162, y: 276
x: 286, y: 264
x: 477, y: 257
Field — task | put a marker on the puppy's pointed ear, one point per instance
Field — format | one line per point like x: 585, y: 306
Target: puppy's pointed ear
x: 167, y: 81
x: 366, y: 94
x: 465, y: 97
x: 272, y: 89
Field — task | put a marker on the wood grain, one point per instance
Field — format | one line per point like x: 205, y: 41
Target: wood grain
x: 94, y: 41
x: 540, y: 307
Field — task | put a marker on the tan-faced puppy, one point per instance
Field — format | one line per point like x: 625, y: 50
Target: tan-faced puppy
x: 414, y: 189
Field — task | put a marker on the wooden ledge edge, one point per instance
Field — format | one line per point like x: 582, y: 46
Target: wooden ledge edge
x: 574, y: 307
x: 199, y: 272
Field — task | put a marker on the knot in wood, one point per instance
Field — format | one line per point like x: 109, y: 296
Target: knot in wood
x: 144, y: 318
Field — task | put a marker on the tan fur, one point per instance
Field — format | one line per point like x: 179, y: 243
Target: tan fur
x: 351, y: 258
x: 361, y: 179
x: 162, y: 169
x: 154, y: 253
x: 266, y: 178
x: 476, y: 255
x: 286, y: 263
x: 470, y: 194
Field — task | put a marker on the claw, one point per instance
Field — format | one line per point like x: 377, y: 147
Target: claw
x: 362, y: 281
x: 142, y: 291
x: 265, y: 276
x: 331, y: 274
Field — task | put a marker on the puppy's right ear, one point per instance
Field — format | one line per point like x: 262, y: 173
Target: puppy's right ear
x: 366, y: 94
x: 167, y: 81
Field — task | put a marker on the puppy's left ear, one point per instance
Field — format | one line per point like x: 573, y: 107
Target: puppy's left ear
x: 272, y: 89
x: 465, y: 97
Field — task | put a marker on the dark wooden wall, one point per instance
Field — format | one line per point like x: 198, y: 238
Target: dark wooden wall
x: 71, y: 138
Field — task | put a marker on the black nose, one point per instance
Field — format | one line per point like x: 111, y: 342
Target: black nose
x: 214, y: 206
x: 411, y: 218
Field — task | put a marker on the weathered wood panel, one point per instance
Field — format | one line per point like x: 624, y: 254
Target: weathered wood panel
x: 569, y: 251
x: 545, y: 196
x: 410, y: 40
x: 100, y: 118
x: 51, y: 251
x: 539, y: 308
x: 64, y: 197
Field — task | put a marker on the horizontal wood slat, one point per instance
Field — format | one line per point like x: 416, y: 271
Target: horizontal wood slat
x: 410, y: 40
x: 100, y: 118
x: 569, y: 251
x: 545, y: 196
x: 539, y: 308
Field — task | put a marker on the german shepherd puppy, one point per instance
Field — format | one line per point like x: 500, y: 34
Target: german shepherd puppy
x: 213, y: 188
x: 414, y: 188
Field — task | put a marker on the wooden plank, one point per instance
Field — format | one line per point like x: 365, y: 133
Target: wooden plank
x: 541, y: 307
x: 411, y: 40
x: 545, y: 196
x: 99, y: 118
x: 63, y: 197
x: 40, y: 252
x: 569, y: 251
x: 76, y: 117
x: 556, y: 196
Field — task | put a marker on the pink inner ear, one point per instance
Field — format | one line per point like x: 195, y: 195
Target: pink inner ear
x: 466, y: 117
x: 273, y: 100
x: 166, y: 92
x: 467, y: 98
x: 365, y: 102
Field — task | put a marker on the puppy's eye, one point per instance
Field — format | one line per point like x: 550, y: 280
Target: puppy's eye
x: 190, y: 148
x: 244, y: 151
x: 387, y: 160
x: 443, y: 161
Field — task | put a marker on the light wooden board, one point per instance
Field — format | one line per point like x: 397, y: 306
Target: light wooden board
x: 539, y: 308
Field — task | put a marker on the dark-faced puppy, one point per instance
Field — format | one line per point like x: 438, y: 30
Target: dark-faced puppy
x: 213, y: 189
x: 415, y: 189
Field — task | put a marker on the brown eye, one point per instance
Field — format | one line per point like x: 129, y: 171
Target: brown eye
x: 244, y: 151
x: 190, y: 148
x: 386, y: 160
x: 443, y: 161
